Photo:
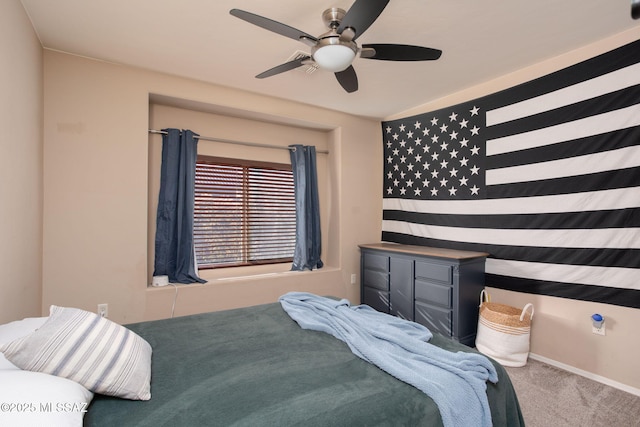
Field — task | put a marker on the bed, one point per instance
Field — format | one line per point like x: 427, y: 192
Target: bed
x: 256, y: 366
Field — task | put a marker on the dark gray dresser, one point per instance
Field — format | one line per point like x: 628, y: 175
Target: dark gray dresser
x: 438, y: 288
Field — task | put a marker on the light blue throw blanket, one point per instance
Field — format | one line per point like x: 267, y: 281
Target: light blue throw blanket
x: 455, y: 381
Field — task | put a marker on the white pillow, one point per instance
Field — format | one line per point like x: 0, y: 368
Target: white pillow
x: 35, y: 399
x: 93, y: 351
x: 14, y: 330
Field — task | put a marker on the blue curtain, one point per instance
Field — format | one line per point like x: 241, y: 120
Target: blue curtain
x: 305, y: 179
x: 174, y: 253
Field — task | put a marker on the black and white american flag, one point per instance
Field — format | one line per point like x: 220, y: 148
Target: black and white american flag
x: 544, y: 176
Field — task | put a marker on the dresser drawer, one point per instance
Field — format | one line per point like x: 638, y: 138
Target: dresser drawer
x: 376, y: 262
x: 434, y: 272
x: 437, y: 319
x: 376, y: 279
x: 376, y: 299
x: 434, y: 293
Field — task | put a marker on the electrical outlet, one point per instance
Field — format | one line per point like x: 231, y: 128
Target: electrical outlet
x: 353, y: 279
x: 103, y: 310
x: 598, y: 331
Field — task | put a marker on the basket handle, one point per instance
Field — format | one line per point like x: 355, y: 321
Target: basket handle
x: 484, y: 297
x: 524, y: 310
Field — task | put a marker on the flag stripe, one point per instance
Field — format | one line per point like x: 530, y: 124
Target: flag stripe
x: 603, y: 294
x: 589, y: 126
x: 574, y: 238
x: 597, y: 182
x: 625, y: 278
x: 569, y: 220
x: 571, y: 112
x: 623, y: 258
x: 622, y: 158
x: 594, y: 144
x: 611, y: 82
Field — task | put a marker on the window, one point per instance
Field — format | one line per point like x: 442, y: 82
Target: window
x: 244, y: 213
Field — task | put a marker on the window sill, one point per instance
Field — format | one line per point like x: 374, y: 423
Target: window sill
x: 242, y: 274
x: 232, y: 273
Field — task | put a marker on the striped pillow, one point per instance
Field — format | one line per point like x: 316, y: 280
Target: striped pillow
x: 95, y: 352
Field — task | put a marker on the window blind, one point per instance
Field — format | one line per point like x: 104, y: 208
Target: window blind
x: 244, y: 213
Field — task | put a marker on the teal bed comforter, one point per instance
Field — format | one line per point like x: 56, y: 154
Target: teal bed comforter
x: 256, y: 367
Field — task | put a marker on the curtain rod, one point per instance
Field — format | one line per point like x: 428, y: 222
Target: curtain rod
x: 231, y: 141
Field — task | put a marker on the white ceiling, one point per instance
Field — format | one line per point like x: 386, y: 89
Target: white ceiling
x: 199, y: 39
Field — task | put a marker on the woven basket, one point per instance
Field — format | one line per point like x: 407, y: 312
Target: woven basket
x: 504, y: 332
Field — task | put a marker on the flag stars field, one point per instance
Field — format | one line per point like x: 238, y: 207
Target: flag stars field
x: 448, y: 147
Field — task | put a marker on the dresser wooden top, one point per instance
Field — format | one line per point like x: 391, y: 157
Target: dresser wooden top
x: 425, y: 250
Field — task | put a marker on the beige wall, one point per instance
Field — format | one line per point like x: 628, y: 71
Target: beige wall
x: 20, y: 164
x: 561, y: 329
x: 96, y: 157
x: 561, y: 332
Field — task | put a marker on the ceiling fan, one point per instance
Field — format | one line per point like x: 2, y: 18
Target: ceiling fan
x: 335, y: 50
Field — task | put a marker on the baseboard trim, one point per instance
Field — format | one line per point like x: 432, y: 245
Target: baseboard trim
x: 590, y: 375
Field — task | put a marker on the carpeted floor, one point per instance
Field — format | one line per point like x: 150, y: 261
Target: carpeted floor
x: 550, y: 396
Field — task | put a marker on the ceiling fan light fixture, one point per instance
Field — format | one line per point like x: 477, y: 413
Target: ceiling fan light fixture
x: 331, y: 54
x: 334, y: 57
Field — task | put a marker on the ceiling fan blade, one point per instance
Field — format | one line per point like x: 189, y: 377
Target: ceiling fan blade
x: 400, y: 52
x: 361, y: 15
x: 348, y: 79
x: 284, y: 67
x: 271, y: 25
